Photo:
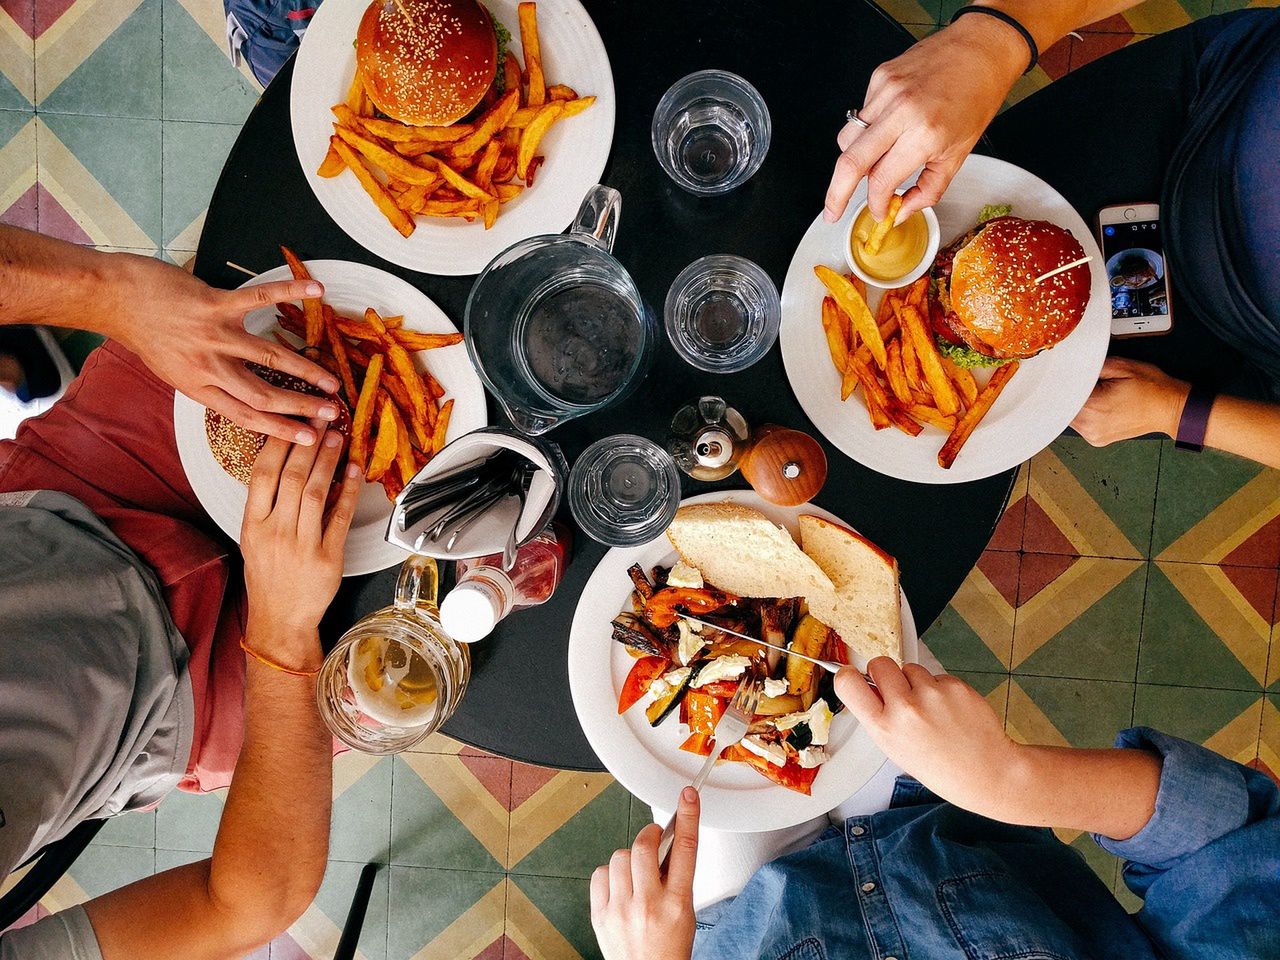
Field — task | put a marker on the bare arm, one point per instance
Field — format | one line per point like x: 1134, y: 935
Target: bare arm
x: 189, y: 334
x: 945, y: 734
x: 270, y: 853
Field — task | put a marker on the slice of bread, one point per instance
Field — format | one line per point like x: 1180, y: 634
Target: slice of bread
x: 740, y: 550
x: 867, y: 612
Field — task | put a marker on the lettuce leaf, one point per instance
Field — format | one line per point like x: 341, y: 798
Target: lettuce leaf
x: 993, y: 210
x: 962, y: 356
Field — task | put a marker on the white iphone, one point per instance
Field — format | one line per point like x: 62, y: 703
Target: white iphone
x: 1137, y: 272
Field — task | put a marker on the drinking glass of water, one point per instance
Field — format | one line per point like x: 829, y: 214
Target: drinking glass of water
x: 722, y: 313
x: 711, y: 131
x: 624, y: 490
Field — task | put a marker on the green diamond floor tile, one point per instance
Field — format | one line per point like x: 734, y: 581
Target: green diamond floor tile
x: 1079, y: 713
x: 1206, y: 626
x: 199, y: 81
x: 1078, y: 617
x: 11, y: 98
x: 566, y: 904
x: 101, y: 869
x: 429, y: 904
x: 188, y: 821
x: 1227, y: 721
x: 430, y: 796
x: 985, y: 683
x: 120, y: 78
x: 192, y: 157
x: 19, y: 194
x: 362, y: 809
x: 129, y: 830
x: 333, y: 901
x: 975, y: 630
x: 586, y: 840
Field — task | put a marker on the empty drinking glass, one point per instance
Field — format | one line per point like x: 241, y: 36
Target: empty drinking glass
x: 624, y: 490
x: 711, y: 131
x: 722, y: 313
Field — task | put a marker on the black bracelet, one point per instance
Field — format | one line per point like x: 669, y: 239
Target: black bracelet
x: 1194, y: 421
x: 1005, y: 18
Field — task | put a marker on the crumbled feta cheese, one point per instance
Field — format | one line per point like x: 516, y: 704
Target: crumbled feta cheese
x: 772, y: 752
x: 722, y: 668
x: 677, y: 676
x: 659, y: 688
x: 775, y: 688
x: 818, y: 717
x: 690, y: 643
x: 789, y: 720
x: 811, y: 757
x: 684, y: 575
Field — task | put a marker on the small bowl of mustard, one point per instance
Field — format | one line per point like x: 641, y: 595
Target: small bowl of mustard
x: 906, y: 252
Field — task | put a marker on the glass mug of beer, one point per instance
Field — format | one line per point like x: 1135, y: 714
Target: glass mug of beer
x: 395, y: 677
x: 555, y: 325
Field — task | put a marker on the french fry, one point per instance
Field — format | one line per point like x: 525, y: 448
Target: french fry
x: 532, y: 136
x: 456, y: 180
x: 488, y: 161
x: 402, y: 364
x: 858, y: 284
x: 386, y: 203
x: 419, y: 428
x: 873, y: 394
x: 489, y: 210
x: 894, y: 373
x: 913, y: 326
x: 512, y: 73
x: 413, y: 198
x: 885, y: 310
x: 532, y: 172
x: 561, y: 91
x: 404, y: 449
x: 833, y: 327
x: 963, y: 379
x: 911, y: 365
x: 529, y: 43
x: 355, y: 93
x: 332, y: 164
x: 574, y: 107
x: 401, y: 168
x: 291, y: 319
x: 493, y: 120
x: 339, y: 349
x: 917, y: 291
x: 403, y: 133
x: 386, y: 444
x: 927, y: 414
x: 433, y: 386
x: 973, y: 416
x: 441, y: 433
x: 312, y: 309
x: 508, y: 191
x: 392, y: 485
x: 886, y: 330
x: 881, y: 230
x: 847, y: 298
x: 362, y: 419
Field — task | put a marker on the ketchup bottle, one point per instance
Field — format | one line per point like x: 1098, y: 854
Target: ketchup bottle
x: 485, y: 593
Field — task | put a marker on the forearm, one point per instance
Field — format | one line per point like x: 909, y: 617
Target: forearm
x: 59, y: 284
x: 1247, y: 428
x: 1051, y: 20
x: 1108, y: 792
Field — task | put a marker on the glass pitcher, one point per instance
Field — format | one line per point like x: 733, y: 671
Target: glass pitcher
x: 396, y: 676
x: 556, y: 326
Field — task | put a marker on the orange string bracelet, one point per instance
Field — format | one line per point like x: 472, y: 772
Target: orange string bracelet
x: 275, y: 665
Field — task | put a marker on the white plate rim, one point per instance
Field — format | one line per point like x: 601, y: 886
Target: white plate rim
x: 577, y: 150
x: 595, y: 703
x: 1066, y: 373
x: 223, y: 497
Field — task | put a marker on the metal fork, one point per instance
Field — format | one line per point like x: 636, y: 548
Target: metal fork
x: 730, y: 729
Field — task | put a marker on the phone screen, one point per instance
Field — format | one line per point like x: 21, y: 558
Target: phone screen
x: 1134, y: 251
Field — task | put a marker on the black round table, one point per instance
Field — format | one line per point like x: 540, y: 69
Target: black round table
x: 811, y: 60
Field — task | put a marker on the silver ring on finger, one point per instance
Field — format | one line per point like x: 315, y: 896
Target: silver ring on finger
x: 852, y: 117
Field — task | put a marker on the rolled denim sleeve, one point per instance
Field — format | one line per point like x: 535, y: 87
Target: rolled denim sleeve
x: 1202, y: 797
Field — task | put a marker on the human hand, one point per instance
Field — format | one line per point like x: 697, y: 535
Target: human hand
x: 636, y: 912
x: 1131, y: 399
x: 936, y: 728
x: 192, y: 336
x: 927, y: 107
x: 292, y: 547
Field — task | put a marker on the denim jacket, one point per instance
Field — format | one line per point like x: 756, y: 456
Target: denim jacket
x: 927, y: 880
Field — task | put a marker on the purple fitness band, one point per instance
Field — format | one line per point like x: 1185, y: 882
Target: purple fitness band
x: 1195, y: 418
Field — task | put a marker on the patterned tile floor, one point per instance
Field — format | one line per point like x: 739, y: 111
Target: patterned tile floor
x: 1135, y: 584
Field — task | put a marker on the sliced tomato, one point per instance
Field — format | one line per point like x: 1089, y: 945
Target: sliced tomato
x: 837, y: 650
x: 660, y: 610
x: 698, y: 743
x: 792, y: 775
x: 643, y: 672
x: 724, y: 689
x: 703, y: 711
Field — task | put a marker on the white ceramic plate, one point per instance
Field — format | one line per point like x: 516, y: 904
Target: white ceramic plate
x: 1037, y: 404
x: 648, y: 761
x: 576, y: 149
x: 349, y: 288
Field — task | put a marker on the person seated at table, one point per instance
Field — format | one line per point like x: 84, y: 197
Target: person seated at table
x: 122, y: 610
x: 961, y: 864
x: 1211, y: 129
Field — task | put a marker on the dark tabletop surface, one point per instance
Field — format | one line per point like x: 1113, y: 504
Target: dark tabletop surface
x: 518, y: 703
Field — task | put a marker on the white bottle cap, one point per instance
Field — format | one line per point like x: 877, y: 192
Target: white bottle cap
x: 470, y: 611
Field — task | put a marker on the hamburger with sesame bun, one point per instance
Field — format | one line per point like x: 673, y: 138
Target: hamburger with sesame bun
x: 236, y: 448
x: 429, y: 62
x: 985, y: 306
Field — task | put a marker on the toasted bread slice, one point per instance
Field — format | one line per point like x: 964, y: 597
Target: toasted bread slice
x: 740, y: 550
x: 868, y: 604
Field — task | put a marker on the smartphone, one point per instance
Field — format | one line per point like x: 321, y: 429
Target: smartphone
x: 1137, y: 272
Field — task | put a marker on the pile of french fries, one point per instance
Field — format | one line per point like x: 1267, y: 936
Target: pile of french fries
x: 397, y: 422
x: 892, y: 355
x: 465, y: 170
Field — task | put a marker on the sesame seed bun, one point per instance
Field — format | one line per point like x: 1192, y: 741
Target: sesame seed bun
x: 996, y: 308
x: 431, y: 67
x: 236, y: 448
